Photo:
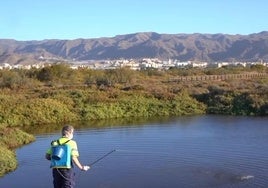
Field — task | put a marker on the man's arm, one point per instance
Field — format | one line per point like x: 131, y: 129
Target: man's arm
x: 78, y: 164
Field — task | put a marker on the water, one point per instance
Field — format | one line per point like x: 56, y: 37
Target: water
x: 185, y: 152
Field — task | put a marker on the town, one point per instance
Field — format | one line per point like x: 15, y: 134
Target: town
x: 145, y: 63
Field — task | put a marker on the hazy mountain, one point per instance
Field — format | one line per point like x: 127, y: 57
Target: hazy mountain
x: 184, y: 47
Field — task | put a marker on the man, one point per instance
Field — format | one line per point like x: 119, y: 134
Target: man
x: 62, y: 154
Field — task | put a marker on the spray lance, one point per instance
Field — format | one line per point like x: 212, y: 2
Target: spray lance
x: 110, y: 152
x: 102, y: 157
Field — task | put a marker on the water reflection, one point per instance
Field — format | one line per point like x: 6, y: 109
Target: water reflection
x: 97, y: 124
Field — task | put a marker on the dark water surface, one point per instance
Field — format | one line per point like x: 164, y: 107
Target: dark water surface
x: 185, y: 152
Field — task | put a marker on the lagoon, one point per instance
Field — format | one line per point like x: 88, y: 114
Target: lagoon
x: 186, y: 152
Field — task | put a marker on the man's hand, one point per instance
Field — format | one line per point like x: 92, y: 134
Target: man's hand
x: 86, y: 168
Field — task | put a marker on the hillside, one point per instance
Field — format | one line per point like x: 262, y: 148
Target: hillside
x: 184, y: 47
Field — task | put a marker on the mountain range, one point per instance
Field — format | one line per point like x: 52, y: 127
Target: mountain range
x: 183, y: 47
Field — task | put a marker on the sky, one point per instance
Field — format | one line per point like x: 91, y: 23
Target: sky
x: 72, y: 19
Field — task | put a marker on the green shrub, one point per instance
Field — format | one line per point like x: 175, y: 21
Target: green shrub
x: 11, y: 138
x: 8, y: 160
x: 141, y: 106
x: 34, y: 111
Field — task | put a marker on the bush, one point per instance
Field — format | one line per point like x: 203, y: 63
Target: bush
x: 24, y: 111
x: 8, y: 160
x: 10, y: 139
x: 141, y: 106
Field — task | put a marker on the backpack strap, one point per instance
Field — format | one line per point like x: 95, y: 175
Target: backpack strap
x: 58, y: 142
x: 65, y: 142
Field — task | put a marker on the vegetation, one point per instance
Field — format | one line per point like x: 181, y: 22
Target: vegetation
x: 11, y: 138
x: 57, y: 94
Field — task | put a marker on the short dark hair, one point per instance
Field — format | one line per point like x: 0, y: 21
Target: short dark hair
x: 66, y: 129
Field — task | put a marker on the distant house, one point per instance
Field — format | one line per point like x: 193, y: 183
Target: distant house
x: 6, y: 66
x: 200, y: 64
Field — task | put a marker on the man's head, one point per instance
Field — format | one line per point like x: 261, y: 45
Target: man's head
x: 67, y: 131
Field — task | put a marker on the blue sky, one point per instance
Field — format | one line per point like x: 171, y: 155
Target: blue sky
x: 71, y: 19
